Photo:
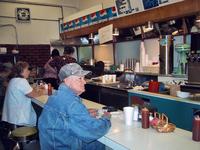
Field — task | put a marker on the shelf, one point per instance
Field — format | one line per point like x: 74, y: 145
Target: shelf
x: 165, y: 13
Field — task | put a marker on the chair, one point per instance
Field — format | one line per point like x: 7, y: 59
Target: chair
x: 23, y: 136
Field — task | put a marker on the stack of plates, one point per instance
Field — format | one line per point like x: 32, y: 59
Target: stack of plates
x: 183, y: 94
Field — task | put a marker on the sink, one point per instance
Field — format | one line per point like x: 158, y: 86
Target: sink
x: 123, y: 86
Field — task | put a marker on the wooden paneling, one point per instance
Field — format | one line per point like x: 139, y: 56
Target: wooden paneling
x: 177, y: 10
x: 35, y: 55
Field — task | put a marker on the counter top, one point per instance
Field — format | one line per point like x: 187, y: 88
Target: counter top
x: 168, y: 97
x: 122, y: 137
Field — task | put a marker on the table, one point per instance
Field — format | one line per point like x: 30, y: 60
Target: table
x: 122, y: 137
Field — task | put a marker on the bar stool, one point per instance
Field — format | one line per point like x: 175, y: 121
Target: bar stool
x: 22, y: 136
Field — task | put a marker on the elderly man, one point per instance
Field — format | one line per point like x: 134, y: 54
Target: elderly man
x: 65, y: 123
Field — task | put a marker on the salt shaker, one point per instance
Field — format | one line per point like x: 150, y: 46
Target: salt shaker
x: 49, y: 89
x: 196, y: 129
x: 145, y: 118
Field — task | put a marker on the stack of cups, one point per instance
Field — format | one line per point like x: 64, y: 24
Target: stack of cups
x: 121, y: 67
x: 137, y: 67
x: 128, y: 115
x: 109, y: 78
x: 135, y: 113
x: 113, y: 78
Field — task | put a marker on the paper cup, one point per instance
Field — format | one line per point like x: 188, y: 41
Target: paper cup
x: 114, y: 78
x: 128, y: 115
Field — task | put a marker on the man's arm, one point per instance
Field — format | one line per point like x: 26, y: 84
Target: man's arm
x: 86, y: 127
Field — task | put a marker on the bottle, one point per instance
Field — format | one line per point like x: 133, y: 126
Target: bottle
x: 196, y: 129
x: 135, y: 113
x: 145, y: 118
x: 49, y: 89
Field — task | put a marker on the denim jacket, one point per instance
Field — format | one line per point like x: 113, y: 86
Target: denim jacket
x: 65, y: 123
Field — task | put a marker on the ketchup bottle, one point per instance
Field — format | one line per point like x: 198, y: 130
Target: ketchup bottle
x: 49, y: 89
x: 196, y: 129
x: 145, y: 118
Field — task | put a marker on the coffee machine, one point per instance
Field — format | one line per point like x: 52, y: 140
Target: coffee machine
x: 193, y: 84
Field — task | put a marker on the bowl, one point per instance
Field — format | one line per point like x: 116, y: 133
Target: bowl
x: 182, y: 94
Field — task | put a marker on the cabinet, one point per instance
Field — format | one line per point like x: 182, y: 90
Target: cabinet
x: 106, y: 96
x: 180, y: 112
x: 92, y: 92
x: 112, y: 97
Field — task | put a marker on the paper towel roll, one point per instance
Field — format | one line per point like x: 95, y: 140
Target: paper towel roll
x: 142, y: 54
x: 121, y: 67
x: 146, y: 60
x: 137, y: 67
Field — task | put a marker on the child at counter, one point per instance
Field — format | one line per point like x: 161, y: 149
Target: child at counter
x: 65, y: 123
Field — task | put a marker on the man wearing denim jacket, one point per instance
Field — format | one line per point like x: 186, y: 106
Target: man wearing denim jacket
x: 65, y: 123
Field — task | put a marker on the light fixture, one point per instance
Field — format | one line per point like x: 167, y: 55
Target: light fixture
x: 198, y: 18
x: 175, y: 32
x: 172, y: 22
x: 116, y: 32
x: 91, y: 36
x: 149, y: 25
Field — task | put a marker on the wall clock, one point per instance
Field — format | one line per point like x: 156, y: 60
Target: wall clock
x: 23, y: 14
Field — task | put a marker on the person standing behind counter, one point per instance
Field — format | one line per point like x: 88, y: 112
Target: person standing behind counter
x: 17, y: 108
x: 65, y: 123
x: 67, y: 58
x: 51, y: 75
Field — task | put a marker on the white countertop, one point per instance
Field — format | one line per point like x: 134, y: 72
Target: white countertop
x: 122, y: 137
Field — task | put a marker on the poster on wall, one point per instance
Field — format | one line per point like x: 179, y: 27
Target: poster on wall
x: 127, y: 7
x: 105, y: 34
x: 123, y: 7
x: 23, y: 15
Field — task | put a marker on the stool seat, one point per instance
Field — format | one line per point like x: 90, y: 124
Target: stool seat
x: 24, y: 134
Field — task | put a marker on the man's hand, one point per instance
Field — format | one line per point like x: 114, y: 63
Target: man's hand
x: 107, y: 115
x: 93, y: 112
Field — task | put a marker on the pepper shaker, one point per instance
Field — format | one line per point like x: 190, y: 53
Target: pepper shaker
x: 145, y: 118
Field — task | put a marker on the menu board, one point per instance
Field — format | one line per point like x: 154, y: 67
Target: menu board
x: 127, y: 7
x: 105, y: 34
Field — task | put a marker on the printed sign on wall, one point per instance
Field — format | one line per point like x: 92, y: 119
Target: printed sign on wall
x: 105, y: 34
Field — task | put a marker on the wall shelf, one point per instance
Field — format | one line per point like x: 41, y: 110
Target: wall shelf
x: 165, y: 13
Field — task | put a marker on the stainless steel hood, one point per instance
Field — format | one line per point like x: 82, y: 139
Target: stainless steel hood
x: 72, y: 41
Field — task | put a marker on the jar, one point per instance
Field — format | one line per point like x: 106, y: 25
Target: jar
x: 153, y: 86
x: 145, y: 118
